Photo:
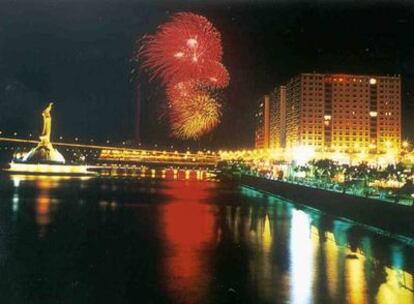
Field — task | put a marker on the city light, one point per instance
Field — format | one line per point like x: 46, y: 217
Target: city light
x: 405, y: 144
x: 48, y: 169
x: 302, y: 154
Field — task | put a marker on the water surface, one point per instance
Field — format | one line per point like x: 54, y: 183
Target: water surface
x: 185, y: 241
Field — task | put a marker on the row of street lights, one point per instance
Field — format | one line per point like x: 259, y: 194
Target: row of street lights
x: 124, y: 143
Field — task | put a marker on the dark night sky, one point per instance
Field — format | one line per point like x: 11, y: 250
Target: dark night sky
x: 77, y: 53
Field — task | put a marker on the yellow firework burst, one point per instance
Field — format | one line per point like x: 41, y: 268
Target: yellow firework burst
x: 194, y: 116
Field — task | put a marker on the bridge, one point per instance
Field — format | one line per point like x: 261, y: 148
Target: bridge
x: 104, y: 156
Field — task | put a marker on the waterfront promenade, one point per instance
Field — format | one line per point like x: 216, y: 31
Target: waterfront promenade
x: 388, y: 217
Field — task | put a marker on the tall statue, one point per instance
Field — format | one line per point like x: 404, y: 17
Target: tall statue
x: 47, y: 126
x: 44, y: 152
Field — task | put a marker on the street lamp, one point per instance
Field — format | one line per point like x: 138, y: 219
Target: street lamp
x: 405, y: 144
x: 388, y: 144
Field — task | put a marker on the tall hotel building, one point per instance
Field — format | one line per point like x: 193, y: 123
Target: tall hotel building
x: 341, y: 112
x: 262, y: 132
x: 277, y: 118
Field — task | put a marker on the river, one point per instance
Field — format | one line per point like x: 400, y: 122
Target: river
x: 153, y: 240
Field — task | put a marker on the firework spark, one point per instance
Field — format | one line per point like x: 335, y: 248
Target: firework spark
x: 180, y: 90
x: 194, y: 116
x: 215, y: 75
x: 182, y: 48
x: 185, y: 54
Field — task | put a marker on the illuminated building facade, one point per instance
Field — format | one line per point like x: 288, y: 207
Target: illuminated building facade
x: 342, y: 112
x: 262, y: 132
x: 278, y: 118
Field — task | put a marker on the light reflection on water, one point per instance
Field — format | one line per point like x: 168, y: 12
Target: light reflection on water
x: 301, y: 257
x: 188, y: 229
x: 210, y: 243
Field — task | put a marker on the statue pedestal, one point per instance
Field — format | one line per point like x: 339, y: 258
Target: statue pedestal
x: 44, y: 154
x: 48, y: 169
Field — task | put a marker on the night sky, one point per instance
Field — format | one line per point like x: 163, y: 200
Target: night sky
x: 77, y: 54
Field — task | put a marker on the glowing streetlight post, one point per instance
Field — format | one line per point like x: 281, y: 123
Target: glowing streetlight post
x: 405, y: 145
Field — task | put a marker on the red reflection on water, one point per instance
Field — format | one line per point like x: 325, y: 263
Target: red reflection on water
x: 43, y: 202
x: 188, y: 230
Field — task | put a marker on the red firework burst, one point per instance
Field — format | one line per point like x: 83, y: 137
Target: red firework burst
x: 179, y: 90
x: 186, y: 47
x: 215, y: 75
x: 212, y: 74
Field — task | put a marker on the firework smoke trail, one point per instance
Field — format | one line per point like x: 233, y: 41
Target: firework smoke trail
x: 185, y: 54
